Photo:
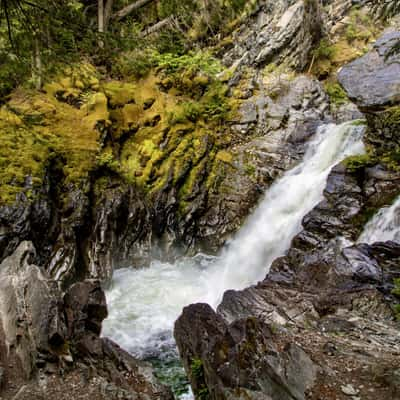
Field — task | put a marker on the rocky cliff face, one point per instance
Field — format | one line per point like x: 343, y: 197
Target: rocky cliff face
x: 321, y: 324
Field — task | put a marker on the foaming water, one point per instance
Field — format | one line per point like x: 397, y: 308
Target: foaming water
x: 144, y: 304
x: 384, y: 226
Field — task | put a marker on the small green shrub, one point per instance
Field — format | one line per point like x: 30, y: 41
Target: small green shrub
x: 336, y: 93
x: 171, y: 63
x: 135, y: 64
x: 190, y: 111
x: 351, y: 33
x: 354, y: 163
x: 197, y: 368
x: 324, y: 50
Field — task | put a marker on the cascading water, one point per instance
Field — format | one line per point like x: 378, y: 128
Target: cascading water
x: 384, y: 226
x: 144, y: 304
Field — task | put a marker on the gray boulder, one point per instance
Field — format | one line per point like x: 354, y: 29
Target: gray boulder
x: 373, y: 81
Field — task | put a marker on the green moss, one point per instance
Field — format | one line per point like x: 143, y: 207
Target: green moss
x: 391, y: 116
x: 106, y: 159
x: 359, y: 122
x: 95, y: 110
x: 224, y: 156
x: 36, y: 128
x: 188, y: 111
x: 119, y: 93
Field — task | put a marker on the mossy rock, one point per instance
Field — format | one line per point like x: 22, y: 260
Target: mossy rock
x: 169, y: 139
x: 119, y: 93
x: 36, y: 127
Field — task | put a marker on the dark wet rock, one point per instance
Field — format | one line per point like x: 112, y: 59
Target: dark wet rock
x: 85, y: 308
x: 241, y: 359
x: 121, y: 231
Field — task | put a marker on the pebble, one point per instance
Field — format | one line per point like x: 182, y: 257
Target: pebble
x: 349, y: 390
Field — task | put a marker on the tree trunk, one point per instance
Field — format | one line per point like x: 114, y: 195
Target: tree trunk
x: 130, y: 8
x: 100, y: 21
x: 107, y: 13
x: 37, y: 64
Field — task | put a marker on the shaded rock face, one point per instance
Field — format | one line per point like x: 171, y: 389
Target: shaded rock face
x: 45, y: 333
x: 31, y: 316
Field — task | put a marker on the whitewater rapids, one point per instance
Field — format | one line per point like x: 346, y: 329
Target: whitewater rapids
x: 384, y: 226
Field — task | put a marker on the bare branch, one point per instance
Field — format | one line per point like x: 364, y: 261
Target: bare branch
x: 156, y: 27
x: 130, y: 8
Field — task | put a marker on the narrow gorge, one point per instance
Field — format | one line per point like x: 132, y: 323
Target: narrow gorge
x: 200, y: 200
x: 143, y: 305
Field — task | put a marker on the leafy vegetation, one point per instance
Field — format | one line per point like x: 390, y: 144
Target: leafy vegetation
x: 38, y: 36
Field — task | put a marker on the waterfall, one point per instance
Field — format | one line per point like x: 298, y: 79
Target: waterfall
x: 384, y: 226
x: 144, y: 303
